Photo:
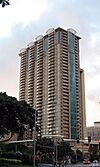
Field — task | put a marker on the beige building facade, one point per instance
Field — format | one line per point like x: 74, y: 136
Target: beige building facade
x: 83, y: 105
x: 51, y: 81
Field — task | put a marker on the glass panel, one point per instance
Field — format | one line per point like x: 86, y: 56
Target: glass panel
x: 73, y: 112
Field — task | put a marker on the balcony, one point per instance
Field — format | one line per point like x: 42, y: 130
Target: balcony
x: 51, y: 48
x: 51, y: 64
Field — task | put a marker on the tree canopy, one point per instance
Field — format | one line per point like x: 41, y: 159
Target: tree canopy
x: 4, y: 2
x: 47, y: 147
x: 14, y: 115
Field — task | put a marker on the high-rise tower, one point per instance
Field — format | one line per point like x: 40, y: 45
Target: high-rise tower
x: 50, y: 82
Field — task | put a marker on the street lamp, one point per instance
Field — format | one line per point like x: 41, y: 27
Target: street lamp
x: 56, y: 139
x: 34, y: 139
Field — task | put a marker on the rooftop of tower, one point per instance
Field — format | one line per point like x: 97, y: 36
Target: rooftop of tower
x: 50, y: 30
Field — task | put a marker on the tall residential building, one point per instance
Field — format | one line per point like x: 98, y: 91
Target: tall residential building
x: 51, y: 82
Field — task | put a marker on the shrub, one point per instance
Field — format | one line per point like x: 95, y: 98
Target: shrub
x: 4, y: 162
x: 27, y: 159
x: 46, y: 159
x: 11, y: 155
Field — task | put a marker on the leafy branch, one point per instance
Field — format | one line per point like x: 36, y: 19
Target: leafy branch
x: 4, y: 3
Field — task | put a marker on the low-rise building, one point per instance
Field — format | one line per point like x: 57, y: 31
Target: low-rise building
x: 94, y: 131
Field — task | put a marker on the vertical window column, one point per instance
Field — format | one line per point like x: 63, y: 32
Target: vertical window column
x: 73, y: 111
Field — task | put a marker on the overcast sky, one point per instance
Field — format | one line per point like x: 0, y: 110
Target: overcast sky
x: 24, y: 20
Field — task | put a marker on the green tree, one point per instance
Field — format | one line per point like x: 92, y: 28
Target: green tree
x: 94, y: 152
x: 64, y: 150
x: 14, y: 115
x: 45, y: 145
x: 79, y: 155
x: 4, y: 2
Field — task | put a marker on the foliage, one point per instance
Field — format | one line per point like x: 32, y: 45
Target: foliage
x: 79, y: 155
x: 27, y: 159
x: 14, y: 115
x: 4, y: 161
x: 4, y: 2
x: 5, y: 147
x: 47, y: 150
x: 22, y: 147
x: 8, y: 155
x: 11, y: 155
x: 64, y: 150
x: 45, y: 158
x: 94, y: 152
x: 45, y: 145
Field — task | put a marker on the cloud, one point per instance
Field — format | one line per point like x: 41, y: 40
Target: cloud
x: 20, y: 12
x: 24, y: 20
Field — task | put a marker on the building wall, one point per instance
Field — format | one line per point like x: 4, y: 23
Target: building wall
x: 50, y: 82
x: 83, y: 106
x: 94, y: 131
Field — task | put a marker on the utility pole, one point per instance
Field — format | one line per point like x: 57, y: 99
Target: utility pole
x: 89, y: 141
x: 57, y: 139
x: 34, y: 139
x: 56, y: 152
